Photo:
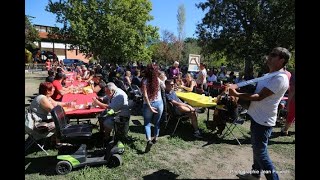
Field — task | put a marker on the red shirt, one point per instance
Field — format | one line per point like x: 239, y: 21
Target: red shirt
x: 58, y: 86
x: 289, y: 76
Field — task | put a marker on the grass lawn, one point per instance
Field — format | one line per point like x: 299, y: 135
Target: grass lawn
x: 180, y: 156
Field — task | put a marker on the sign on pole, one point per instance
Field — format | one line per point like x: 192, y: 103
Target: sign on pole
x: 193, y: 58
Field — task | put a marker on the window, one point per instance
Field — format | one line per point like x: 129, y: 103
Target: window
x: 43, y: 29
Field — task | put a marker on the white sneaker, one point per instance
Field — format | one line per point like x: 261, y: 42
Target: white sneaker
x: 247, y: 176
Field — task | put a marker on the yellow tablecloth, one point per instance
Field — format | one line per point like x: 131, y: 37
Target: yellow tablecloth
x: 196, y: 100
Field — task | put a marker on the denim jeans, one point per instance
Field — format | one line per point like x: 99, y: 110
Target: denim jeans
x: 149, y: 117
x: 261, y: 161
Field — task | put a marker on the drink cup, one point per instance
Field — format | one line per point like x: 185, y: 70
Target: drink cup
x: 73, y: 104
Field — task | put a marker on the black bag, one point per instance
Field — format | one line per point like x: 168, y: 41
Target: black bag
x: 246, y: 89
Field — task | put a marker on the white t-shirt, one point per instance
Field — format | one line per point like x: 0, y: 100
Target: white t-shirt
x: 264, y: 112
x: 202, y: 73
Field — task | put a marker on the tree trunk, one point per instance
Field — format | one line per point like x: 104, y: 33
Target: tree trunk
x: 248, y: 68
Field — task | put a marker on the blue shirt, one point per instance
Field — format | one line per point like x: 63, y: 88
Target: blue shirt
x: 119, y: 101
x: 172, y: 96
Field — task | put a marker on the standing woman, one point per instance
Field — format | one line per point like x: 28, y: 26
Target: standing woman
x: 152, y: 103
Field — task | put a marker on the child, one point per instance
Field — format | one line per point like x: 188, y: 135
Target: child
x: 226, y: 111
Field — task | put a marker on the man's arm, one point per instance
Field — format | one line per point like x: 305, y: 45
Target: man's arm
x: 99, y: 103
x: 265, y: 92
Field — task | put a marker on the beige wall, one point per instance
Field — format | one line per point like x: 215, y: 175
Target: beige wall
x: 74, y: 54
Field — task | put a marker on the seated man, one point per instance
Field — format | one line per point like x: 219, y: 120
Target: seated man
x: 117, y: 100
x: 180, y: 107
x: 98, y: 85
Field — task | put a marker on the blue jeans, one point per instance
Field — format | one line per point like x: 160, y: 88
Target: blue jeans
x: 261, y: 161
x: 149, y: 116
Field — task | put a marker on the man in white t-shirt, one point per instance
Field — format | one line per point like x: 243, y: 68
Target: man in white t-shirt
x: 263, y: 113
x: 202, y: 76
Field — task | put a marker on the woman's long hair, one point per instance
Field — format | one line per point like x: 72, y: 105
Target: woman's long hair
x: 151, y: 75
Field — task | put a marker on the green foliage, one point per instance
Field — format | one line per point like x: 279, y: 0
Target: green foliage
x: 115, y: 31
x: 247, y: 30
x: 28, y: 56
x: 167, y: 50
x: 31, y: 34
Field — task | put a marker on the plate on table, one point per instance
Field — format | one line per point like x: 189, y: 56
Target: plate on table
x: 80, y: 106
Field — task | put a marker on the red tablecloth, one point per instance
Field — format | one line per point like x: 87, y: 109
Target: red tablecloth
x: 81, y: 99
x: 76, y: 83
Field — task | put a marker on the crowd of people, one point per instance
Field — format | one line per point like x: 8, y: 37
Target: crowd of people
x: 112, y: 84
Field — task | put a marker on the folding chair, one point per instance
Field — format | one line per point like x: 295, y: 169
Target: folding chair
x: 230, y: 126
x: 33, y: 135
x: 173, y: 115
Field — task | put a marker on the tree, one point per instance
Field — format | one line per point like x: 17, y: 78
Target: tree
x: 247, y: 30
x: 115, y: 31
x: 31, y: 35
x: 181, y: 17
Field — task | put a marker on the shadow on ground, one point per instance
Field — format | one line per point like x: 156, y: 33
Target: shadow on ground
x: 43, y: 165
x: 278, y: 134
x: 161, y: 174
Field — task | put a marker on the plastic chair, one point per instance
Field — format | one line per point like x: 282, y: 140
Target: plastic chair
x: 33, y: 135
x: 171, y: 114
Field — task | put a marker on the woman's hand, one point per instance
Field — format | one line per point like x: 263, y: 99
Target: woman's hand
x: 153, y: 109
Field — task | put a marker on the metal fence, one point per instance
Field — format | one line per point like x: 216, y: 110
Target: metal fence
x: 31, y: 67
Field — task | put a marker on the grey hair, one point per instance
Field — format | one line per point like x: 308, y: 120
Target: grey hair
x: 161, y: 73
x: 111, y: 86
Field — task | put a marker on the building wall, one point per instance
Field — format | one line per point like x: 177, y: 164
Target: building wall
x: 75, y: 54
x: 60, y: 49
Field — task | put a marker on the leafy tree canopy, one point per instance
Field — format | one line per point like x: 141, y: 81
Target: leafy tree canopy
x: 115, y: 31
x: 31, y: 34
x: 247, y: 30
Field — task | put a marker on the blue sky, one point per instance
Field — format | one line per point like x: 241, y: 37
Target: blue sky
x: 164, y: 13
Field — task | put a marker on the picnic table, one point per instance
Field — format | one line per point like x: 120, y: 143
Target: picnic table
x: 197, y: 100
x: 81, y: 100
